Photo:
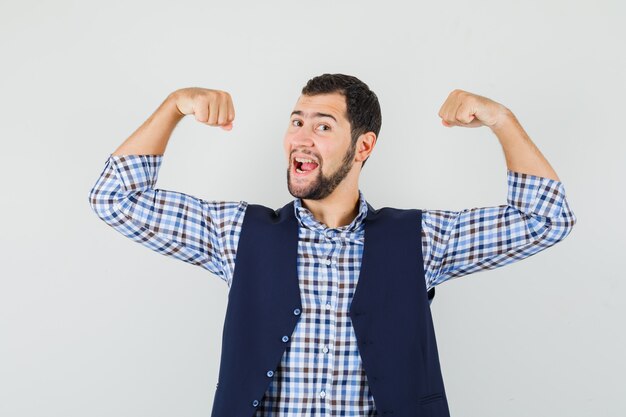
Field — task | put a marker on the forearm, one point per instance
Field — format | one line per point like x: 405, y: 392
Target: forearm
x: 519, y: 150
x: 154, y: 134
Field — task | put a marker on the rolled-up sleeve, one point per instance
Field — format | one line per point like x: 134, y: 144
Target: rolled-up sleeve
x: 457, y: 243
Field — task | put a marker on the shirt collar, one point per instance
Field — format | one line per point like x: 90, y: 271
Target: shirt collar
x: 306, y: 218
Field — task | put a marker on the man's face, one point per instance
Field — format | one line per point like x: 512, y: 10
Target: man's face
x: 319, y: 131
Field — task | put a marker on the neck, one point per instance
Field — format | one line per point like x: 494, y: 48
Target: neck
x: 339, y: 208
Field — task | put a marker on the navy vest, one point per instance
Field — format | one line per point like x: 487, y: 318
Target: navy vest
x: 390, y: 313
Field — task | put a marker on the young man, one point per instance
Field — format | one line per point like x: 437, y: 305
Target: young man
x: 329, y: 306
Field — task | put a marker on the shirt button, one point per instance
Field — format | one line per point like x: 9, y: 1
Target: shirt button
x: 323, y: 394
x: 270, y: 373
x: 296, y: 311
x: 285, y: 338
x: 255, y: 403
x: 325, y: 349
x: 328, y: 306
x: 328, y: 262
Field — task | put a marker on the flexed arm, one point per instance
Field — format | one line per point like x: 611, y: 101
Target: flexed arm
x: 535, y: 217
x: 191, y: 229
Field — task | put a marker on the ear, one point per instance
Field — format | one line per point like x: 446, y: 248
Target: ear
x: 364, y: 146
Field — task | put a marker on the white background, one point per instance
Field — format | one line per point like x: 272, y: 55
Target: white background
x: 93, y: 324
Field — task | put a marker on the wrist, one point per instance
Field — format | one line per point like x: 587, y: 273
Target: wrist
x: 172, y: 104
x: 505, y: 120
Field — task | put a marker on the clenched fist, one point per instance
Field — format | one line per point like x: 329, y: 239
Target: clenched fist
x: 462, y: 108
x: 212, y: 107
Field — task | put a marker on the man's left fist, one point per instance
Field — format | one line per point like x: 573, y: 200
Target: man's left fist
x: 462, y: 108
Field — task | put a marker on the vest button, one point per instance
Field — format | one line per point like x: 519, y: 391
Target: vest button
x: 270, y: 373
x: 255, y: 403
x: 296, y: 311
x: 285, y: 338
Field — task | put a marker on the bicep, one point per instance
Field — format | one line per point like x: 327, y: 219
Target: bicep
x: 457, y: 243
x: 174, y: 224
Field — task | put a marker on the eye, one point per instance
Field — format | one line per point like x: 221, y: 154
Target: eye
x: 328, y: 127
x: 295, y: 121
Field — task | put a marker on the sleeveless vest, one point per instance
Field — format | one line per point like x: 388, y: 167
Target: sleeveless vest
x: 390, y: 313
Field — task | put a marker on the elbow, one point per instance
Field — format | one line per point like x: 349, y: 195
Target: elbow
x: 568, y: 223
x: 559, y: 228
x: 101, y: 204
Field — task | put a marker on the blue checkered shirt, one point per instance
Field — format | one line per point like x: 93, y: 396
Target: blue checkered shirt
x: 321, y: 371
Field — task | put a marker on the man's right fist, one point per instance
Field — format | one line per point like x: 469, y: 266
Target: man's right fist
x: 211, y: 107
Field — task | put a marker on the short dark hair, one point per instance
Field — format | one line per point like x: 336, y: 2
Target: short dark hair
x: 361, y: 103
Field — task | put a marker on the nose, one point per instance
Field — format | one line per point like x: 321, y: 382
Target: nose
x: 301, y: 138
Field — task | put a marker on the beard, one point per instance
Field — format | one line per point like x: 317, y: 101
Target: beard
x: 322, y: 186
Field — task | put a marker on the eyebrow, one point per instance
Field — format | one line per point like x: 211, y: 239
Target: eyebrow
x: 316, y: 114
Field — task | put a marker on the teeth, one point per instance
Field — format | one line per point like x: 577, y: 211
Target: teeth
x: 305, y: 160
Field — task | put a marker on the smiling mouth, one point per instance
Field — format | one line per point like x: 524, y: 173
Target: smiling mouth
x: 304, y: 168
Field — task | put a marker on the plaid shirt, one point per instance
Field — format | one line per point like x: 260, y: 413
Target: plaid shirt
x: 321, y: 371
